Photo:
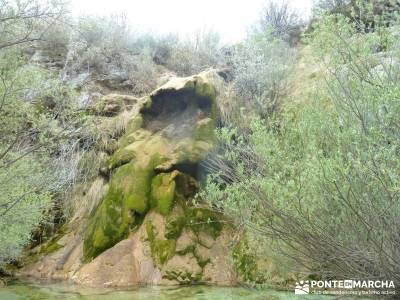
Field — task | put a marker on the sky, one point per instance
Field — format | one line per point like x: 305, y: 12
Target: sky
x: 230, y: 18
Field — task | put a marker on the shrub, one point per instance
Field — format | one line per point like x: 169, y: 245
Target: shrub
x: 280, y: 19
x: 22, y: 22
x: 22, y: 203
x: 95, y: 42
x: 191, y: 56
x: 105, y: 50
x: 321, y: 178
x: 261, y: 66
x: 365, y: 14
x: 39, y: 126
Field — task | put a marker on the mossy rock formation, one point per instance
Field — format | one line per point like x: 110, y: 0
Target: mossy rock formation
x: 173, y: 128
x: 146, y: 230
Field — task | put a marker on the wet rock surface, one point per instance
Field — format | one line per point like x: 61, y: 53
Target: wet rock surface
x: 146, y: 229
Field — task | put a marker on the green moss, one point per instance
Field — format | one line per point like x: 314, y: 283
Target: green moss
x: 50, y: 248
x: 204, y: 89
x: 119, y: 158
x: 187, y: 250
x: 135, y: 123
x: 132, y: 190
x: 203, y: 220
x: 205, y: 130
x: 183, y: 277
x: 52, y: 245
x: 161, y: 250
x: 191, y: 249
x: 121, y: 210
x: 136, y: 136
x: 127, y: 152
x: 162, y: 192
x: 192, y: 150
x: 174, y: 227
x: 135, y: 187
x: 202, y: 262
x: 244, y: 262
x: 193, y: 218
x: 151, y: 233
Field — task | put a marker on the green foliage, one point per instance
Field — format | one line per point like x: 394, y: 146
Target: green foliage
x: 184, y: 56
x: 22, y: 203
x: 38, y: 122
x: 174, y: 227
x: 22, y: 22
x: 331, y: 5
x: 106, y: 49
x: 163, y: 192
x: 262, y: 64
x: 280, y: 19
x: 32, y: 96
x: 191, y: 56
x: 322, y: 175
x: 183, y: 277
x: 203, y: 220
x: 365, y: 15
x: 161, y: 250
x: 244, y: 261
x: 40, y: 129
x: 128, y: 199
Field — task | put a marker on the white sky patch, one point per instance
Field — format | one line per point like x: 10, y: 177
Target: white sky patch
x: 230, y: 18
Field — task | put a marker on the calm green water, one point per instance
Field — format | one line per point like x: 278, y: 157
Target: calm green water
x: 19, y: 291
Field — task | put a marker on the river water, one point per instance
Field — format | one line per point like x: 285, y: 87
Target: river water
x: 35, y: 291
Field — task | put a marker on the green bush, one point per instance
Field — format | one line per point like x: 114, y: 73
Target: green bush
x: 261, y: 66
x: 22, y: 22
x: 279, y: 18
x: 190, y: 56
x: 366, y: 15
x: 321, y: 177
x: 40, y: 126
x: 23, y: 202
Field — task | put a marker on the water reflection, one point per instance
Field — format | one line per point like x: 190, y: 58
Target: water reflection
x: 32, y: 291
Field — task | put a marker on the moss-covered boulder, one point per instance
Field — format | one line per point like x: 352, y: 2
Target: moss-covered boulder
x: 166, y: 139
x: 146, y: 224
x: 163, y: 192
x: 121, y: 210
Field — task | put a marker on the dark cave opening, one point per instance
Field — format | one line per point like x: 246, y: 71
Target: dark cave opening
x: 177, y: 110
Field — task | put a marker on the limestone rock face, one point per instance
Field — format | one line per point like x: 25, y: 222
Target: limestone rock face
x: 146, y: 229
x: 157, y: 162
x: 128, y: 263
